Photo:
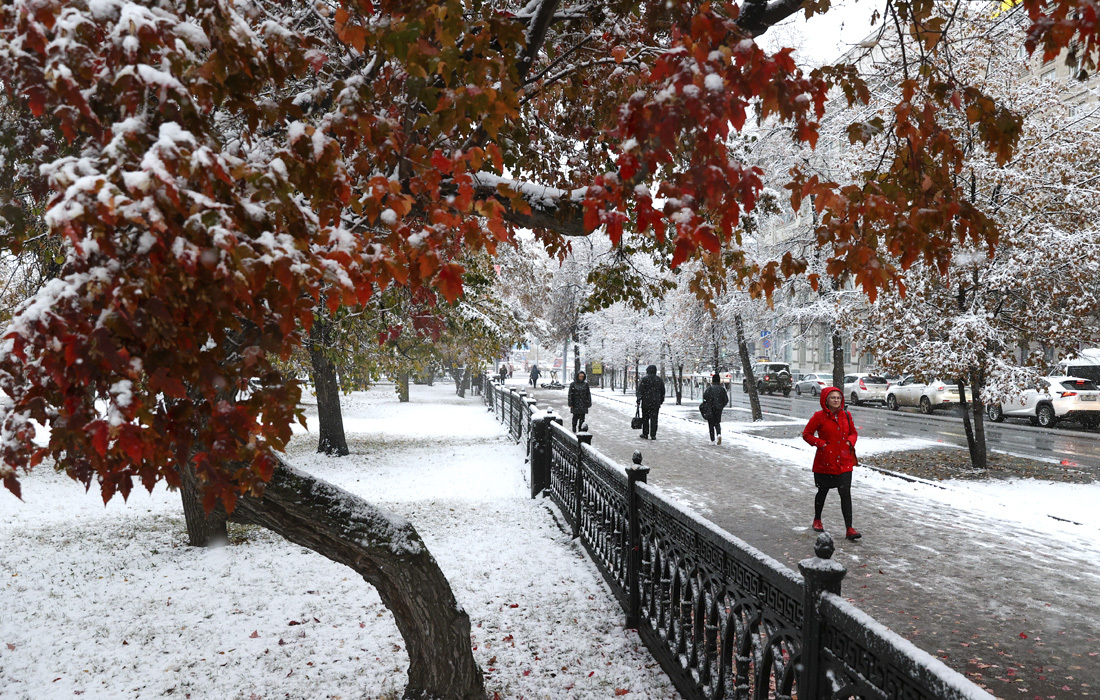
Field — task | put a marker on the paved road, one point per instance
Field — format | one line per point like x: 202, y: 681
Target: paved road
x: 1068, y: 440
x: 1009, y: 599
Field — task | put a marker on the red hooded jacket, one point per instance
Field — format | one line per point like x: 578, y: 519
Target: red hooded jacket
x: 834, y: 436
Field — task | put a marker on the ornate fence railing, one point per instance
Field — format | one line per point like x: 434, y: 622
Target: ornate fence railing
x: 723, y: 619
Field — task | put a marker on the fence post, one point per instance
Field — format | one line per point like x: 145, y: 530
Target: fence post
x: 819, y: 573
x: 540, y: 453
x: 634, y: 474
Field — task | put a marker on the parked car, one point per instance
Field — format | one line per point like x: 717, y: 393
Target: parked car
x: 770, y: 378
x: 910, y: 391
x: 1053, y: 399
x: 812, y: 383
x: 1085, y: 365
x: 863, y: 387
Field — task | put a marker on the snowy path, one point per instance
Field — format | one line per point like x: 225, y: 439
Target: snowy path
x: 110, y: 603
x: 976, y: 574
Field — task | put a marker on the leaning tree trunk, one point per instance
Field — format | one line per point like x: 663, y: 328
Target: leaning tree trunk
x: 203, y: 529
x: 330, y: 437
x: 388, y: 553
x: 746, y: 365
x: 971, y: 445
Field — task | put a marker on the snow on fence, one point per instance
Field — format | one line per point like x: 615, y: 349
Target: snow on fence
x: 723, y: 619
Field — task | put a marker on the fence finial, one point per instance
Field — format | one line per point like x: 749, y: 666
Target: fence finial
x: 824, y: 546
x: 636, y: 457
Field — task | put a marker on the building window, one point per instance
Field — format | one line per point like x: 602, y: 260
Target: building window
x: 1047, y: 76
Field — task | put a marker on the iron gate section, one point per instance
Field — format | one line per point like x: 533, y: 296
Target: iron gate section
x: 603, y: 524
x: 563, y: 472
x: 722, y: 618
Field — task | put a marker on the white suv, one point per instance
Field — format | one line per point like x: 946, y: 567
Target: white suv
x: 927, y: 397
x: 1051, y: 400
x: 862, y: 387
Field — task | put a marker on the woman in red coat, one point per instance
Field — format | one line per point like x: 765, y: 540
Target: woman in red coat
x: 832, y: 432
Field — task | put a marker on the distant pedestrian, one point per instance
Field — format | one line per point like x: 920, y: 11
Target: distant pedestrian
x: 650, y: 395
x: 833, y: 433
x: 580, y: 399
x: 503, y: 372
x: 535, y: 375
x: 716, y: 398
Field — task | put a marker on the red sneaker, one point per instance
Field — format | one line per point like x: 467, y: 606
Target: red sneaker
x: 852, y: 534
x: 818, y: 526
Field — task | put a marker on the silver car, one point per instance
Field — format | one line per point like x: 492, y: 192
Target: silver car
x: 910, y: 391
x: 812, y: 383
x: 863, y: 387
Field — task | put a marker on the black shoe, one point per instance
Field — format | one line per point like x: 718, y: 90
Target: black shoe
x: 644, y: 437
x: 652, y: 437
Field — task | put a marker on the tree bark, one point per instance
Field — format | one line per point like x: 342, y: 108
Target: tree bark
x: 203, y: 530
x: 403, y: 387
x: 389, y: 554
x: 979, y: 457
x: 746, y: 365
x: 330, y: 437
x: 462, y: 380
x: 679, y: 382
x: 838, y: 359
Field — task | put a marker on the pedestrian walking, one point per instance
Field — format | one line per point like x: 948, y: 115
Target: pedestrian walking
x: 535, y: 375
x: 650, y: 395
x: 833, y: 433
x: 580, y: 399
x: 715, y: 399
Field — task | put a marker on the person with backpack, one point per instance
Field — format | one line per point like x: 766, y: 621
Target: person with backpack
x: 650, y: 395
x: 715, y: 399
x: 832, y: 431
x: 580, y: 399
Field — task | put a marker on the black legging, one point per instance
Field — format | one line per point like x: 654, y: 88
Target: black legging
x: 845, y: 502
x: 578, y: 419
x: 715, y: 428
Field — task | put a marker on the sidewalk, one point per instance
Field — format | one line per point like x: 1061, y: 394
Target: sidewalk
x: 975, y: 574
x: 110, y: 603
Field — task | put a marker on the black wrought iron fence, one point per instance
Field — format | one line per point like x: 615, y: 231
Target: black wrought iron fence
x: 723, y: 619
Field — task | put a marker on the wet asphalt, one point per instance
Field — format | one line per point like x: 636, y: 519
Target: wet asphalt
x: 1016, y: 608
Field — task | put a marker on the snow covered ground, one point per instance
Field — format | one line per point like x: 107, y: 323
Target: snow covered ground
x: 109, y: 602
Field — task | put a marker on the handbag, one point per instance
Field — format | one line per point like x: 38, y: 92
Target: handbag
x: 636, y: 421
x: 704, y: 410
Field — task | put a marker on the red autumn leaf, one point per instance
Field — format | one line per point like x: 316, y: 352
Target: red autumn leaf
x: 621, y: 691
x: 255, y: 634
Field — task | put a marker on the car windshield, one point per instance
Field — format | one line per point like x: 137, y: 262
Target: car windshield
x: 1079, y: 385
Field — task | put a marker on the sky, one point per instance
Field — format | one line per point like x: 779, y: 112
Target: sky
x: 824, y: 37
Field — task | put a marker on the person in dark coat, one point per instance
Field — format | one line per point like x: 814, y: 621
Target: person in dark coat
x: 580, y: 399
x: 650, y: 394
x: 716, y: 398
x: 833, y: 433
x: 535, y: 375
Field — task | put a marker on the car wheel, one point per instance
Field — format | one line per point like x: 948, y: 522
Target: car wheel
x: 925, y: 406
x: 786, y: 392
x: 892, y: 402
x: 813, y: 392
x: 1091, y: 422
x: 798, y: 390
x: 1046, y: 416
x: 995, y: 413
x: 855, y: 399
x: 745, y: 386
x: 759, y: 388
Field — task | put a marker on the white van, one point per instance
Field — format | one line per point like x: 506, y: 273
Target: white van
x: 1085, y: 364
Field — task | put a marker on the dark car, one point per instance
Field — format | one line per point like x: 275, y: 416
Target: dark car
x: 771, y: 377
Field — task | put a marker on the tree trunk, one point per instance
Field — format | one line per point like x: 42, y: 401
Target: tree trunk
x: 203, y: 530
x: 979, y: 456
x: 746, y: 365
x: 389, y: 554
x: 971, y: 445
x: 679, y: 382
x: 838, y: 359
x: 330, y: 435
x: 462, y: 381
x: 403, y: 387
